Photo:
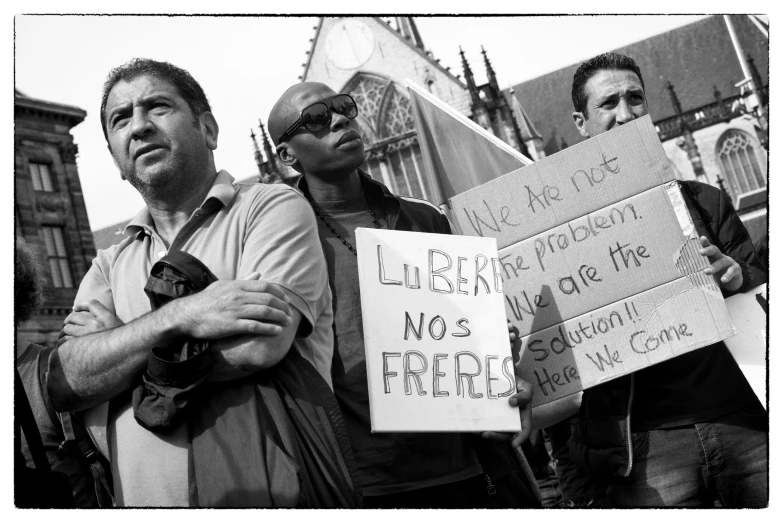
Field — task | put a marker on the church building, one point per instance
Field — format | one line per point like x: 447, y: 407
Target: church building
x: 370, y: 58
x: 697, y: 93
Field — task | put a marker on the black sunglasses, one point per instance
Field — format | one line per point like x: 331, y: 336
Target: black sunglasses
x: 318, y: 116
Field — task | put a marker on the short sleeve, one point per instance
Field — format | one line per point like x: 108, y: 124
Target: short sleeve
x: 282, y: 244
x: 96, y: 284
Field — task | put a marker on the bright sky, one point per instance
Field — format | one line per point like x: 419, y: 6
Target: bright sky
x: 244, y: 64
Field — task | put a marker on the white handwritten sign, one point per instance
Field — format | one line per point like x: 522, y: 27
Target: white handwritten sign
x: 435, y: 335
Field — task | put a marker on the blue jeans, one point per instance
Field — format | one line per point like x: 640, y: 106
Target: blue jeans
x: 722, y: 460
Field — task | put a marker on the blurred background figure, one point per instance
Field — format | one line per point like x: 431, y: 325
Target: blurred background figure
x: 51, y: 471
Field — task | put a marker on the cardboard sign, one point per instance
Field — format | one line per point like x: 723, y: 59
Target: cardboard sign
x: 614, y: 252
x: 585, y: 177
x: 599, y: 260
x: 623, y: 337
x: 435, y: 334
x: 749, y: 346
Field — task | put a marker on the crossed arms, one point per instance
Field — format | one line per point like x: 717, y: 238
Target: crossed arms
x: 251, y: 322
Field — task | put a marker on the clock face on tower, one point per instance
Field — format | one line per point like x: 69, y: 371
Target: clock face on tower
x: 349, y: 44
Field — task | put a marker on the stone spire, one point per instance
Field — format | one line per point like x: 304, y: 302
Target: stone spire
x: 754, y: 74
x: 469, y: 77
x: 686, y: 142
x: 407, y: 28
x: 674, y: 98
x: 270, y: 154
x: 257, y: 152
x: 490, y: 72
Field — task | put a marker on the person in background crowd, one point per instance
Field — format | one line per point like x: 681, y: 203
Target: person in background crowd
x: 161, y: 134
x: 68, y: 481
x: 687, y: 431
x: 315, y: 132
x: 579, y: 489
x: 543, y: 465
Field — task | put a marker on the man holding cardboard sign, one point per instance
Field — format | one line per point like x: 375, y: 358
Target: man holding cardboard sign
x: 687, y: 430
x: 315, y: 132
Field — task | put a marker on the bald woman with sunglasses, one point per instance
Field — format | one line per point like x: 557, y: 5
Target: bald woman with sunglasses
x: 316, y: 133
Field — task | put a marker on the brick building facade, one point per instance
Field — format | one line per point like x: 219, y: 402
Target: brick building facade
x: 49, y: 208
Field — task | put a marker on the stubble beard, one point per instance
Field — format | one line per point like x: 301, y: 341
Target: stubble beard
x: 164, y: 181
x: 154, y: 184
x: 170, y: 177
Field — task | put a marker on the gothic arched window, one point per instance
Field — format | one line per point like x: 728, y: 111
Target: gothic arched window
x: 738, y: 157
x: 396, y: 118
x: 386, y: 122
x: 384, y: 107
x: 368, y: 91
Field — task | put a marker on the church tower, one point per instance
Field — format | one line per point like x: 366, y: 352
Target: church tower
x: 370, y: 58
x: 490, y: 108
x: 268, y: 167
x: 478, y: 109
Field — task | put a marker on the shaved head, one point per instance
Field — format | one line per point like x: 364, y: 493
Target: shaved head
x: 286, y: 110
x: 335, y: 151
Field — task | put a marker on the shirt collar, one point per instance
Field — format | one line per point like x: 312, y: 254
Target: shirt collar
x: 222, y: 190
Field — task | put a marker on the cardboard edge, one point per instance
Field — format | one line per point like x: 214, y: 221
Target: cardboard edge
x: 709, y: 295
x: 680, y: 209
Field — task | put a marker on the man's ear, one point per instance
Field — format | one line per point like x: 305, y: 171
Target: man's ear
x: 579, y: 121
x: 211, y: 129
x: 286, y: 155
x: 108, y: 146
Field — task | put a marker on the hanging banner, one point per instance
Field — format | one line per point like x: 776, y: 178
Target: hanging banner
x: 458, y: 153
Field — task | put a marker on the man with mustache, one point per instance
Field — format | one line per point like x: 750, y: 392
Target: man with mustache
x: 315, y: 132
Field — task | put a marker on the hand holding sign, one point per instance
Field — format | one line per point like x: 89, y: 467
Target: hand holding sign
x: 523, y: 399
x: 722, y: 266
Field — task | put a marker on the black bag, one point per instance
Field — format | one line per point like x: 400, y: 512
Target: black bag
x: 38, y: 487
x: 87, y: 469
x: 282, y: 424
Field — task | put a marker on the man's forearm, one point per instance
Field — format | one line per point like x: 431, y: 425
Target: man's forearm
x: 88, y: 370
x: 239, y: 356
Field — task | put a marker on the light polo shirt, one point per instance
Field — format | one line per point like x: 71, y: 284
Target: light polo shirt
x: 238, y: 229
